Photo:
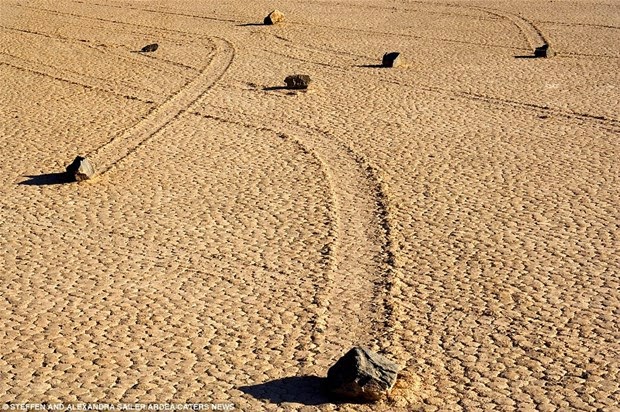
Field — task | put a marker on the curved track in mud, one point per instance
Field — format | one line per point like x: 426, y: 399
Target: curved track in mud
x: 120, y: 147
x: 361, y: 257
x: 349, y: 64
x: 89, y: 82
x: 268, y: 230
x: 532, y: 34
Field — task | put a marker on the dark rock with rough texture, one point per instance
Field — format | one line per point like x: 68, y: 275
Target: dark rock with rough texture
x: 81, y: 169
x: 363, y: 375
x: 149, y: 48
x: 543, y: 51
x: 297, y: 81
x: 392, y: 59
x: 274, y: 17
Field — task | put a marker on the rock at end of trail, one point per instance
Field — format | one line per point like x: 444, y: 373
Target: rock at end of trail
x: 149, y: 48
x: 81, y: 169
x: 392, y: 59
x: 543, y: 51
x: 297, y: 81
x: 362, y: 375
x: 274, y: 17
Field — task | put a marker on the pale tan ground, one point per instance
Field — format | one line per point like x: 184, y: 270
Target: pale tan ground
x: 459, y: 214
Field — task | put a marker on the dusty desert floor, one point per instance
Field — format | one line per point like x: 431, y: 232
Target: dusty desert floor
x: 459, y: 214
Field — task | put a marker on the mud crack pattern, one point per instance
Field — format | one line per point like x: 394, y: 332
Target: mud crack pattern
x: 458, y: 214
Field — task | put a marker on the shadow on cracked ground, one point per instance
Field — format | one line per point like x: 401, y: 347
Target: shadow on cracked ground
x: 48, y: 179
x: 307, y: 390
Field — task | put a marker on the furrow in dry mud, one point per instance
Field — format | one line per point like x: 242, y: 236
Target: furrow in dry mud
x: 356, y: 307
x: 531, y: 33
x: 77, y: 78
x: 166, y: 12
x: 569, y: 114
x: 108, y: 155
x: 602, y: 120
x: 308, y: 350
x: 191, y: 36
x: 100, y: 48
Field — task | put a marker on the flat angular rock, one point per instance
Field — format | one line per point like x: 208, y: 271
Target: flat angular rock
x: 392, y: 59
x: 274, y: 17
x: 363, y: 375
x: 297, y: 81
x: 149, y: 48
x: 543, y: 51
x: 81, y: 169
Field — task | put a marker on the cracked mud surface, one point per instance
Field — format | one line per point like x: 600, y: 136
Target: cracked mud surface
x: 459, y: 214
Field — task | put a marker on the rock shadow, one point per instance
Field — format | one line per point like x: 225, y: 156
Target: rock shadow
x: 527, y: 56
x: 269, y: 88
x: 306, y: 390
x: 48, y: 179
x: 372, y: 66
x: 250, y: 24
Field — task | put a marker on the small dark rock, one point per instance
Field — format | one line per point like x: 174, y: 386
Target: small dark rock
x: 149, y: 48
x: 81, y: 169
x: 297, y: 81
x: 362, y: 375
x: 274, y: 17
x: 543, y: 51
x: 392, y: 59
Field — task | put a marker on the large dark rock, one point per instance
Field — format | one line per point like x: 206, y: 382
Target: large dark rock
x: 543, y: 51
x: 392, y: 59
x: 81, y: 169
x: 149, y: 48
x: 362, y: 375
x: 297, y: 81
x: 274, y: 17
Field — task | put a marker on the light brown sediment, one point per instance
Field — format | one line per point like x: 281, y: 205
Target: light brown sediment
x: 458, y: 214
